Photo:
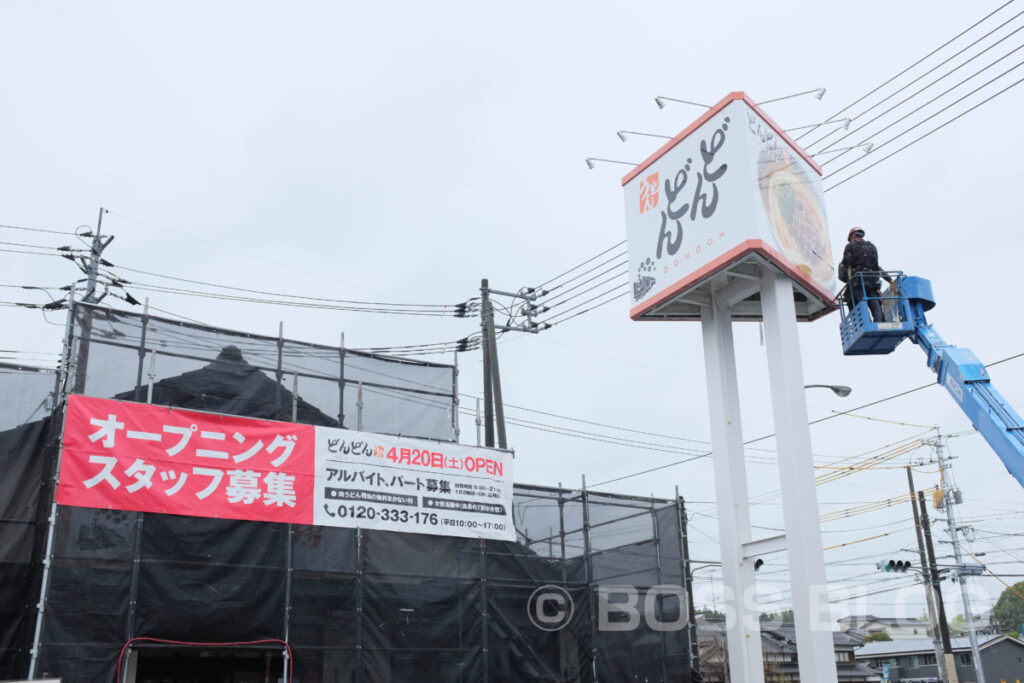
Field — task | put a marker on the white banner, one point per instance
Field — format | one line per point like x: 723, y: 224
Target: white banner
x: 373, y: 481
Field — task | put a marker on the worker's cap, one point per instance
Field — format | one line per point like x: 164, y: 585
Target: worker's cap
x: 855, y: 232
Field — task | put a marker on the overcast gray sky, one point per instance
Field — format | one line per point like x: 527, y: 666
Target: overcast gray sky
x: 402, y: 151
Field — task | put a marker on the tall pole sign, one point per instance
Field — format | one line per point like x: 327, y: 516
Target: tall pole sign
x: 730, y: 188
x: 727, y: 222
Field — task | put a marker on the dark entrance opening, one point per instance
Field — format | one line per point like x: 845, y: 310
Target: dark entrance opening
x: 204, y: 664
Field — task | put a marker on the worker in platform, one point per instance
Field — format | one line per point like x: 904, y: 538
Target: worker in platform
x: 860, y: 270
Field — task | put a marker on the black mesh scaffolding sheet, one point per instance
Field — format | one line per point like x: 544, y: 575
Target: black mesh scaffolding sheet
x: 375, y: 606
x: 26, y: 395
x: 371, y: 606
x: 352, y: 605
x: 120, y: 354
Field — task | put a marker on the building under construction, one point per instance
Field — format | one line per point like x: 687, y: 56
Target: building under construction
x: 89, y: 594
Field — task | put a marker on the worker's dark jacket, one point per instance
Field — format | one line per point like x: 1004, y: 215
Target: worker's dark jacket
x: 859, y: 256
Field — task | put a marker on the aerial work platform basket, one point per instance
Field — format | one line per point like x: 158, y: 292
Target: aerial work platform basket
x: 900, y: 314
x: 861, y: 335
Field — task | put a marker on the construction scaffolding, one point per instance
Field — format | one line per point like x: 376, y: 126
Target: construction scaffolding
x: 101, y: 595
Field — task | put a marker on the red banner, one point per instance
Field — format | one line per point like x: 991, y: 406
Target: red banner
x: 133, y: 456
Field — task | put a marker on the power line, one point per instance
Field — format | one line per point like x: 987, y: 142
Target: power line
x: 21, y: 227
x: 44, y: 307
x: 860, y: 462
x: 561, y: 431
x: 933, y: 52
x: 592, y: 258
x: 590, y: 435
x: 555, y: 321
x: 34, y: 246
x: 579, y: 434
x: 250, y: 255
x: 592, y: 308
x: 470, y: 343
x: 925, y: 135
x: 454, y: 312
x: 616, y: 276
x: 812, y: 422
x: 945, y: 108
x: 936, y: 81
x: 161, y: 310
x: 464, y: 344
x: 34, y: 253
x: 564, y: 431
x: 37, y: 287
x: 31, y: 353
x: 600, y: 424
x: 556, y: 302
x: 443, y: 307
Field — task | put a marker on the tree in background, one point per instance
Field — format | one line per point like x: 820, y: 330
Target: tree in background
x: 958, y: 625
x: 877, y: 637
x: 711, y: 614
x: 1009, y: 609
x: 783, y: 617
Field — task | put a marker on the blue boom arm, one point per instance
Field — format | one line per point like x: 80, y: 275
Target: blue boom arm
x: 965, y: 378
x: 958, y: 370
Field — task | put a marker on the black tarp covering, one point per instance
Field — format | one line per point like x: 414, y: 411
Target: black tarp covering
x: 230, y: 385
x: 22, y: 474
x: 26, y: 436
x: 353, y: 606
x: 121, y: 354
x: 370, y: 606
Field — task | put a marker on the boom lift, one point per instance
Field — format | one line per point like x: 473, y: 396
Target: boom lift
x: 904, y: 304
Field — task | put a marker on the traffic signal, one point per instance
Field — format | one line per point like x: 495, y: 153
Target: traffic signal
x: 893, y: 565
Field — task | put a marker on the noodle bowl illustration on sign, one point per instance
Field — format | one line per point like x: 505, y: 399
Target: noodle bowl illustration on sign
x: 796, y: 215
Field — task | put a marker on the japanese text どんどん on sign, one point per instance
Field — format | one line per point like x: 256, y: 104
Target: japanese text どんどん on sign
x: 733, y: 183
x: 132, y: 456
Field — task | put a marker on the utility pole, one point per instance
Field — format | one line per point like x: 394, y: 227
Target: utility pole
x: 485, y: 346
x: 684, y: 544
x: 928, y: 588
x: 95, y: 252
x: 92, y: 268
x: 494, y: 407
x: 933, y: 573
x: 73, y: 384
x: 499, y: 404
x: 949, y: 499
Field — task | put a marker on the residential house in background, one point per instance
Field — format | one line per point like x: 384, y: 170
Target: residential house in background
x: 985, y: 624
x: 897, y: 628
x: 914, y: 660
x: 778, y: 645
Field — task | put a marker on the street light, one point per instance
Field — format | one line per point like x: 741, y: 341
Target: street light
x: 840, y: 390
x: 591, y: 160
x: 694, y: 570
x: 661, y: 99
x: 623, y: 134
x: 818, y: 93
x: 705, y: 565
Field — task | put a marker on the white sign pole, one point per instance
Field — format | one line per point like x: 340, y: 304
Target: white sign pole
x: 730, y: 208
x: 815, y: 649
x: 743, y: 633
